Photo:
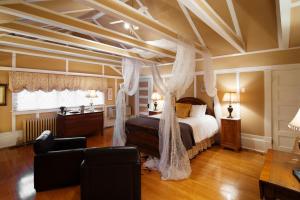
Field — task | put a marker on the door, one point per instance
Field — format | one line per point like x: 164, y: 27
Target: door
x: 143, y: 97
x: 286, y: 102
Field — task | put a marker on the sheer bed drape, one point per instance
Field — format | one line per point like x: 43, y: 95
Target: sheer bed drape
x: 174, y: 162
x: 131, y: 74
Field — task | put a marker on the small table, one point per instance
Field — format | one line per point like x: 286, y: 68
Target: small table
x: 276, y: 179
x: 231, y: 133
x: 154, y: 112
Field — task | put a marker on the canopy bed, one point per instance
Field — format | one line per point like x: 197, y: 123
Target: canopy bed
x: 143, y: 132
x: 174, y: 163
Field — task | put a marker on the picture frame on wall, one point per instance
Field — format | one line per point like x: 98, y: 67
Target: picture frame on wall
x: 109, y: 94
x: 3, y: 91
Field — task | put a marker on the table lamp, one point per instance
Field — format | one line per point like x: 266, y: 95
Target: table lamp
x: 295, y: 125
x: 230, y: 97
x: 92, y: 95
x: 155, y: 97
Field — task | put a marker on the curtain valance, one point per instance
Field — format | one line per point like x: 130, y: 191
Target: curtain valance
x: 19, y: 81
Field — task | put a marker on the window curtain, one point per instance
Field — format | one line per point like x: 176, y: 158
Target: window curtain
x: 131, y: 74
x: 19, y: 81
x: 174, y: 163
x: 210, y: 84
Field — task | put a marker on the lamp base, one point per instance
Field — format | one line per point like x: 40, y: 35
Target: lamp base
x: 230, y: 109
x: 296, y: 173
x: 155, y: 106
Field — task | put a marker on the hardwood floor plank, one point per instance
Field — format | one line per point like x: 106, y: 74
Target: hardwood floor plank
x: 216, y: 174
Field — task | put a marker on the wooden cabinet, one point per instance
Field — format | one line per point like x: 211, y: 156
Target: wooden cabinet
x: 81, y: 124
x: 277, y: 180
x: 152, y: 112
x: 231, y: 133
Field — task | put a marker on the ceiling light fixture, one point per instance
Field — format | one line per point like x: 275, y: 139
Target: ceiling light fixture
x: 126, y: 25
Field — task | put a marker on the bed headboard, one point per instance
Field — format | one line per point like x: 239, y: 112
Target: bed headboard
x: 196, y: 101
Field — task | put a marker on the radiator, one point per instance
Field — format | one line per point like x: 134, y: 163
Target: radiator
x: 32, y: 128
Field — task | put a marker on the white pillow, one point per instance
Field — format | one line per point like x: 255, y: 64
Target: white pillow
x: 198, y: 110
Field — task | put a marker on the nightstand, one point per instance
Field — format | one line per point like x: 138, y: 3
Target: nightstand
x: 231, y: 133
x: 154, y: 112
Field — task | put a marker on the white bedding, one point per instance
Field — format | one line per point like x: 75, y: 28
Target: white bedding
x: 203, y: 127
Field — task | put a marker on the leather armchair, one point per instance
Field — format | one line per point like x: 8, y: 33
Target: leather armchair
x: 57, y: 161
x: 111, y: 173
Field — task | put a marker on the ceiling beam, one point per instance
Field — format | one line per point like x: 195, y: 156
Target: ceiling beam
x: 204, y: 12
x: 53, y: 36
x: 46, y: 16
x: 283, y: 13
x: 133, y: 16
x: 234, y: 17
x: 55, y: 48
x: 192, y: 24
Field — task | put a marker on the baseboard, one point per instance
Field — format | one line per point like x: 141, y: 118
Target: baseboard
x: 256, y: 142
x: 9, y: 139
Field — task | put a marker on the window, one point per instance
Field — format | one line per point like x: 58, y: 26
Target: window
x: 26, y: 100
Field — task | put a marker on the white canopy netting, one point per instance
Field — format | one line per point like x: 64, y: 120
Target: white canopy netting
x: 131, y: 75
x: 174, y: 163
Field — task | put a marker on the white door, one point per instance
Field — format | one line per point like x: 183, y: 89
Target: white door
x: 143, y: 97
x: 286, y: 102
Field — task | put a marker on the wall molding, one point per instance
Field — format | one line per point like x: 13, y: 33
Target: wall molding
x: 10, y: 139
x: 256, y: 142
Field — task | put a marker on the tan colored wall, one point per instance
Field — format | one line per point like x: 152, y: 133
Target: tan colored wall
x: 190, y: 91
x: 109, y: 71
x: 35, y: 62
x: 85, y: 68
x: 226, y: 83
x: 5, y: 111
x: 252, y: 102
x: 5, y: 59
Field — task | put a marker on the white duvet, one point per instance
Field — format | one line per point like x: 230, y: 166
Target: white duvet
x: 203, y: 127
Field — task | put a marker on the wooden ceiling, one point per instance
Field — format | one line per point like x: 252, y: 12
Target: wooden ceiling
x: 84, y: 28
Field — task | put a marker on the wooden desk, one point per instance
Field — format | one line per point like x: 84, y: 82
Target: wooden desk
x: 276, y: 179
x: 79, y: 124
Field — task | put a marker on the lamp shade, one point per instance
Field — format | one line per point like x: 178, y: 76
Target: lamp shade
x: 155, y: 96
x: 92, y: 94
x: 230, y: 97
x: 295, y: 123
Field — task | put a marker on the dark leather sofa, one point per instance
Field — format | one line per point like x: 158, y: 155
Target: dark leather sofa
x: 111, y: 173
x: 57, y: 161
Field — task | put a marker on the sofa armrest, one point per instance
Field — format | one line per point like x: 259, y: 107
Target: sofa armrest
x: 69, y: 143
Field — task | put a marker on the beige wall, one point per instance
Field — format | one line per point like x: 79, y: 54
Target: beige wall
x: 34, y: 62
x: 5, y: 59
x: 252, y: 102
x: 85, y: 68
x: 5, y: 111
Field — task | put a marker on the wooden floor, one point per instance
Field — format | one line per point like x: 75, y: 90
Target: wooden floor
x: 216, y: 174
